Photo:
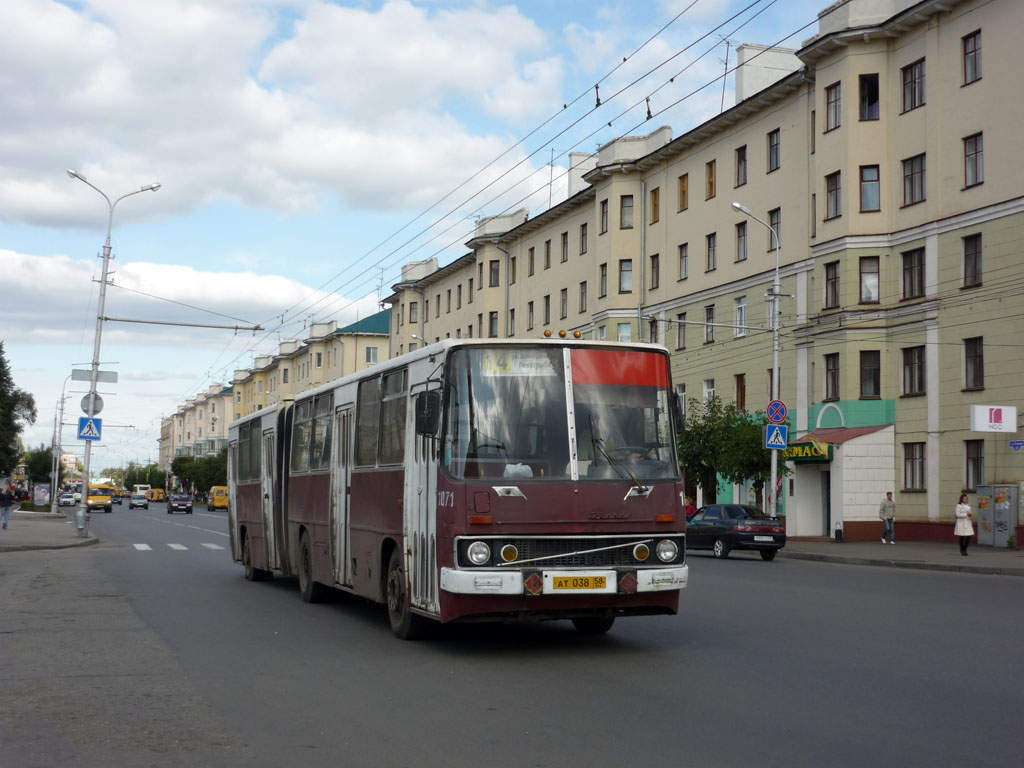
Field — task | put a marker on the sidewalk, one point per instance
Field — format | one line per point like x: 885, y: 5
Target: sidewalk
x: 41, y: 530
x: 925, y: 555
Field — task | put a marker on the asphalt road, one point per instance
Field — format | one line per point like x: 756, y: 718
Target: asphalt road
x: 166, y: 656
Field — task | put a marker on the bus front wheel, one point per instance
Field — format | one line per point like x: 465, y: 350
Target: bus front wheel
x: 404, y: 623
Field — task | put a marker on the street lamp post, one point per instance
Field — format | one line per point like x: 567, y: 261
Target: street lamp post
x: 776, y: 306
x: 80, y: 516
x: 58, y: 438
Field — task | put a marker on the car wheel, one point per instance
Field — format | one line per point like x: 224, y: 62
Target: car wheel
x: 404, y: 623
x: 593, y: 625
x: 311, y: 591
x: 769, y: 554
x: 170, y: 511
x: 720, y: 549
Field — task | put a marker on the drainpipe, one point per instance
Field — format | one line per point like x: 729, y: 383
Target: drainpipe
x: 643, y: 260
x: 507, y: 278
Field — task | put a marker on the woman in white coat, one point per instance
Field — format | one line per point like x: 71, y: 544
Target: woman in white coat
x: 963, y: 529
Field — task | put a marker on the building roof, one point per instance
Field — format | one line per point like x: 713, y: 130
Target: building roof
x: 838, y: 435
x: 379, y: 323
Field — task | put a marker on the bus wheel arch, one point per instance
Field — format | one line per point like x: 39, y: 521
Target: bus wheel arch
x: 312, y: 592
x: 404, y: 623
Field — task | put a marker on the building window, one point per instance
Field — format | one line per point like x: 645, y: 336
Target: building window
x: 774, y: 150
x: 684, y: 192
x: 583, y: 297
x: 626, y: 276
x: 626, y: 212
x: 814, y: 215
x: 740, y: 316
x: 458, y: 296
x: 684, y: 261
x: 741, y: 390
x: 709, y: 328
x: 426, y: 312
x: 401, y: 315
x: 913, y: 85
x: 437, y: 305
x: 833, y: 105
x: 284, y: 376
x: 547, y: 254
x: 563, y: 303
x: 319, y: 359
x: 913, y: 274
x: 480, y: 324
x: 493, y: 273
x: 565, y: 246
x: 492, y: 324
x: 624, y: 332
x: 512, y: 270
x: 604, y: 216
x: 913, y: 466
x: 655, y: 271
x: 972, y: 57
x: 530, y: 262
x: 832, y: 285
x: 470, y: 291
x: 814, y: 135
x: 711, y: 245
x: 603, y: 281
x: 974, y: 464
x: 371, y: 355
x: 449, y: 301
x: 681, y: 330
x: 414, y: 313
x: 709, y: 180
x: 583, y: 237
x: 655, y: 205
x: 775, y: 224
x: 913, y: 180
x: 972, y: 260
x: 709, y: 389
x: 741, y: 165
x: 741, y: 241
x: 511, y: 322
x: 870, y: 374
x: 869, y: 103
x: 602, y: 333
x: 913, y: 371
x: 547, y: 309
x: 974, y: 161
x: 529, y: 316
x: 833, y: 195
x: 870, y: 190
x: 974, y: 363
x: 869, y: 279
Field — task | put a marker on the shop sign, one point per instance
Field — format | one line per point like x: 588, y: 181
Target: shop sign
x: 994, y: 418
x: 808, y: 452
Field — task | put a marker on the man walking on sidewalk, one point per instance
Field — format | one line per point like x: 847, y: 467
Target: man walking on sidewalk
x: 887, y: 511
x: 6, y: 499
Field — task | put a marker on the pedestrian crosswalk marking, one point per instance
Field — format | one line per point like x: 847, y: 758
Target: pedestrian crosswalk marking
x: 177, y: 546
x: 213, y: 546
x: 142, y: 546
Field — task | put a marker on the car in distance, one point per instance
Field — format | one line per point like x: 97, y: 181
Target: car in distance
x: 725, y: 527
x: 66, y: 500
x: 217, y: 498
x: 179, y: 503
x: 138, y: 500
x: 100, y: 497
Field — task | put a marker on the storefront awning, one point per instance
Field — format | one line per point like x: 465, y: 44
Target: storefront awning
x: 817, y: 445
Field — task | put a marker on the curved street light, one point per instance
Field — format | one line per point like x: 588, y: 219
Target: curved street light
x: 80, y: 519
x: 776, y: 306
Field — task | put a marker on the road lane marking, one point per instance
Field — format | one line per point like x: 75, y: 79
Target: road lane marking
x: 142, y: 546
x: 177, y: 546
x: 213, y: 546
x: 218, y: 533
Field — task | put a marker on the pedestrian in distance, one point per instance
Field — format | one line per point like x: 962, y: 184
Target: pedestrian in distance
x: 887, y: 512
x: 963, y: 529
x: 690, y: 510
x: 6, y: 499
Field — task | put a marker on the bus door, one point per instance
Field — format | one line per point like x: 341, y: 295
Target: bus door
x: 268, y: 487
x: 233, y: 500
x: 341, y: 483
x: 421, y: 516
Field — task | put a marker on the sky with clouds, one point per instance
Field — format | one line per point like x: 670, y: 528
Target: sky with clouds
x: 306, y: 149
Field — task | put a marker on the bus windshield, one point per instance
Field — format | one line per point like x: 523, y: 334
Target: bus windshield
x: 507, y: 415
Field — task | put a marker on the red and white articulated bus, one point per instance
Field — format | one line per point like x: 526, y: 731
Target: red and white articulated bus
x: 473, y: 479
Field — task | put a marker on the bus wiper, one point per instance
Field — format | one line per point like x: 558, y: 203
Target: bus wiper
x: 642, y: 490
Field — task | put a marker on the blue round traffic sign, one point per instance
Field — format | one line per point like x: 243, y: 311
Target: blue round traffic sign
x: 777, y: 412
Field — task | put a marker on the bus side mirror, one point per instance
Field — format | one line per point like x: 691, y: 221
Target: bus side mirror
x: 677, y: 413
x: 428, y: 413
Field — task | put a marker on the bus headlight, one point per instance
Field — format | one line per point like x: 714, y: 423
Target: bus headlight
x: 667, y: 550
x: 478, y: 553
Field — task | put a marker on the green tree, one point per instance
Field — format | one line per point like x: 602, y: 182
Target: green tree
x: 39, y: 464
x: 724, y: 440
x: 17, y: 408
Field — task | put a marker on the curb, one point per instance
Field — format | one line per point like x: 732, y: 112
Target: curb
x: 86, y: 542
x: 910, y: 564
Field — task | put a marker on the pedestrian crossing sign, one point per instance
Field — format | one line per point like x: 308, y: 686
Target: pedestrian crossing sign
x: 776, y: 436
x: 89, y: 428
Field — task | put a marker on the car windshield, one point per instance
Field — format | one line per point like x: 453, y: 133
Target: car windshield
x: 180, y: 498
x: 99, y: 492
x: 508, y: 416
x: 139, y: 496
x: 740, y: 512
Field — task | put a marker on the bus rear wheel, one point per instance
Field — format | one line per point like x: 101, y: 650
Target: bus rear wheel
x: 311, y: 591
x: 404, y: 623
x: 593, y: 625
x: 251, y: 573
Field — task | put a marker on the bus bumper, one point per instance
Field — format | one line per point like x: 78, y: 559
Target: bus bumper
x: 490, y: 582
